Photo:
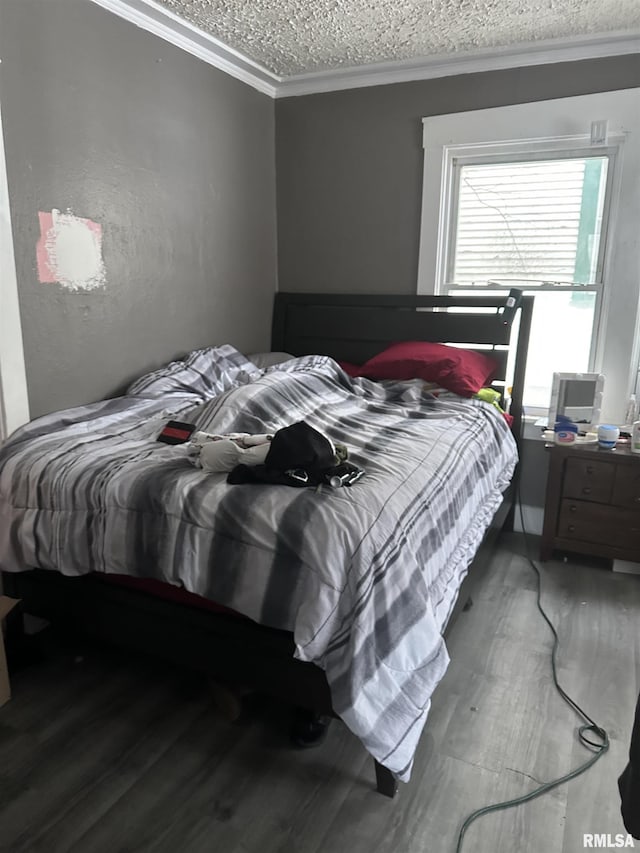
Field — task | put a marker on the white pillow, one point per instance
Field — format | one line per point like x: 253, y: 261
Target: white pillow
x: 263, y: 360
x: 203, y: 372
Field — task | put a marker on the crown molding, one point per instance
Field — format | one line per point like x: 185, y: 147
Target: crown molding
x: 494, y: 59
x: 161, y: 22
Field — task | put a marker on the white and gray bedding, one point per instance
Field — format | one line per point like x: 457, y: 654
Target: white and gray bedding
x: 365, y: 577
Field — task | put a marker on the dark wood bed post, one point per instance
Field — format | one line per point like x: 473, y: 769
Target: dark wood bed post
x: 520, y: 366
x: 386, y: 782
x: 517, y: 409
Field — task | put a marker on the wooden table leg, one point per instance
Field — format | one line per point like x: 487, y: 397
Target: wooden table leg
x: 386, y: 782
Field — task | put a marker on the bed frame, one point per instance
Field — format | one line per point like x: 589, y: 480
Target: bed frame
x: 237, y: 650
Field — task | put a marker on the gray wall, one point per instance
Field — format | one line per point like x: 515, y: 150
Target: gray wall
x: 173, y: 158
x: 349, y: 168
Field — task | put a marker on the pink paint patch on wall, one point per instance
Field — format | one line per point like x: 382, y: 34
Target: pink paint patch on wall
x: 69, y: 251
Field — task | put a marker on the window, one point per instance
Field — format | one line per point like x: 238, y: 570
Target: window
x: 535, y: 224
x: 520, y: 197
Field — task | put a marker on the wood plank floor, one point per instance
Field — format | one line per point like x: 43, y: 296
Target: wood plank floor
x: 100, y: 753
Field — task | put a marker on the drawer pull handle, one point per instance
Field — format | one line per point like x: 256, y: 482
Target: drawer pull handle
x: 637, y: 500
x: 573, y: 508
x: 571, y: 528
x: 589, y: 469
x: 586, y: 491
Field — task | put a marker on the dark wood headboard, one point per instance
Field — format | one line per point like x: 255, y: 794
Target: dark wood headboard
x: 355, y: 327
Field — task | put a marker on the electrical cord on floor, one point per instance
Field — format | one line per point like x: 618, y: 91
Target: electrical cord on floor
x: 585, y: 733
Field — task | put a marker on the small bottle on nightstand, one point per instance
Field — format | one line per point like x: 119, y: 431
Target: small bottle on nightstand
x: 631, y: 415
x: 635, y: 437
x: 564, y: 430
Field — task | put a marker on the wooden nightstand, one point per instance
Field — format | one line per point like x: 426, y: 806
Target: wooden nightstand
x: 593, y: 502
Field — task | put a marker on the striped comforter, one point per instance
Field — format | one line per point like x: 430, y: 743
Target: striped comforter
x: 364, y: 576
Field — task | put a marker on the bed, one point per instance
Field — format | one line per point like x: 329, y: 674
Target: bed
x: 337, y: 600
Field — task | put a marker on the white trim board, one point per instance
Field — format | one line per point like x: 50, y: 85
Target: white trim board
x: 14, y: 401
x: 166, y: 25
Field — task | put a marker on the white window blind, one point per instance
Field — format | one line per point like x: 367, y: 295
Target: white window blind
x: 533, y: 221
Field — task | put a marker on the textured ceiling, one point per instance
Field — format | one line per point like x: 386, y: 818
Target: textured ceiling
x: 295, y: 36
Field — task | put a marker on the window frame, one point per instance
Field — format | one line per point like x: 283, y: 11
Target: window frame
x: 549, y: 128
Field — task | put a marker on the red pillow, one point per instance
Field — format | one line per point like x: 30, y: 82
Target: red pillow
x: 462, y: 371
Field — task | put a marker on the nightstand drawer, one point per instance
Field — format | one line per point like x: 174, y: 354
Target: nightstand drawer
x: 589, y: 480
x: 589, y: 522
x: 626, y: 487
